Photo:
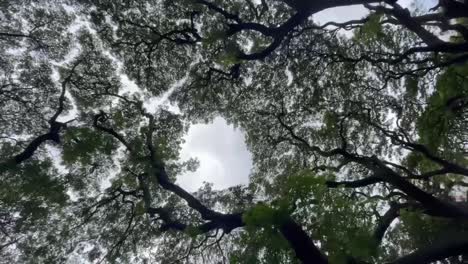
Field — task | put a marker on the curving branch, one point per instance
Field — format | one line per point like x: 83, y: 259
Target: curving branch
x: 447, y: 166
x: 304, y: 10
x: 386, y: 220
x: 454, y: 245
x: 101, y: 117
x: 404, y: 17
x: 355, y: 184
x: 299, y: 240
x: 51, y: 135
x: 381, y: 172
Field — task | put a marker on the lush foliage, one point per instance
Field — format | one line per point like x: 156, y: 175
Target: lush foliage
x: 358, y: 131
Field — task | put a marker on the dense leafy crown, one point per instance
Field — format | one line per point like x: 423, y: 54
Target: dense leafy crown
x: 358, y: 131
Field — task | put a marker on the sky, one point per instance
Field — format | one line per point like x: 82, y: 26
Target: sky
x: 222, y: 153
x: 220, y: 148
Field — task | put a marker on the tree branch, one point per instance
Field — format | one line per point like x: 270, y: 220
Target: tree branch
x: 300, y: 241
x: 386, y: 220
x: 438, y: 250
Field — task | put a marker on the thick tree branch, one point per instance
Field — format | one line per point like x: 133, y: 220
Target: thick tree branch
x: 440, y: 249
x: 304, y: 10
x: 431, y: 203
x: 386, y: 220
x: 354, y: 184
x: 304, y: 247
x: 404, y: 17
x: 447, y: 166
x: 101, y: 117
x: 51, y: 135
x: 300, y: 241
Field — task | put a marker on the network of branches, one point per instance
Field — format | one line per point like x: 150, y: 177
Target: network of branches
x: 357, y: 129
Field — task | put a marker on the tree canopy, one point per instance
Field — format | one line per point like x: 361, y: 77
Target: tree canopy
x: 358, y: 131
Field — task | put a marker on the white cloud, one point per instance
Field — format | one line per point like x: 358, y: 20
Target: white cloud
x: 223, y: 155
x: 340, y: 14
